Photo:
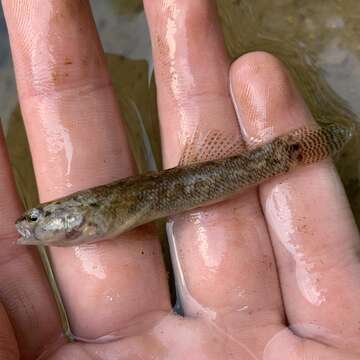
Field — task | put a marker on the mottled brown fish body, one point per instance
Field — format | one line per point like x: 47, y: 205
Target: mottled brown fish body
x: 109, y: 210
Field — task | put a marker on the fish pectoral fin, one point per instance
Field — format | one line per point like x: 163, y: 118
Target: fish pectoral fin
x: 211, y: 145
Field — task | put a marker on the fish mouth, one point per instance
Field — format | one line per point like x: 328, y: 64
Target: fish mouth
x: 24, y: 231
x: 27, y: 235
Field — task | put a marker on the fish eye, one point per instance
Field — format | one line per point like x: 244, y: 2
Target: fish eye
x: 34, y: 215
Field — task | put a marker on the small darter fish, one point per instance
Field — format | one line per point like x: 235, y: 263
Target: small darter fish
x: 109, y: 210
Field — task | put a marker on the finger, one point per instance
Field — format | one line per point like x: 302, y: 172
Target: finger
x: 226, y: 262
x: 185, y: 38
x: 8, y: 346
x: 78, y: 141
x: 312, y: 229
x: 285, y: 345
x: 24, y: 290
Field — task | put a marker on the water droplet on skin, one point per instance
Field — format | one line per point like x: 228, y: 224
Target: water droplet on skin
x: 279, y: 212
x: 90, y: 260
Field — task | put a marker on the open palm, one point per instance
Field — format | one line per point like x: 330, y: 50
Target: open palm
x: 271, y: 274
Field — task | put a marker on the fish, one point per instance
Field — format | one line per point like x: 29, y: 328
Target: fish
x: 105, y: 211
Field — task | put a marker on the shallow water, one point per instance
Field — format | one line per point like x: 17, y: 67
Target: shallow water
x: 317, y: 42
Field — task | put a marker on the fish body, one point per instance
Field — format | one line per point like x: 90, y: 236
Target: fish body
x: 109, y: 210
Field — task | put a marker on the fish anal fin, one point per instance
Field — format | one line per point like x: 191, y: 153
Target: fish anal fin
x: 213, y: 145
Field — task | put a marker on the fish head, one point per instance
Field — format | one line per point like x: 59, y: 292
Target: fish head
x: 62, y: 223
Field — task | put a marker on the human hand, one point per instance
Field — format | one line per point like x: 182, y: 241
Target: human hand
x: 270, y: 274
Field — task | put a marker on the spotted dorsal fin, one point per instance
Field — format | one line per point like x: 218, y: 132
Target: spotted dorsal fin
x: 212, y: 145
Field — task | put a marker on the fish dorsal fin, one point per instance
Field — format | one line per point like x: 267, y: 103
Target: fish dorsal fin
x: 213, y: 145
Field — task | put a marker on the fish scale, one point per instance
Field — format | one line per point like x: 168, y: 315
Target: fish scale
x: 109, y: 210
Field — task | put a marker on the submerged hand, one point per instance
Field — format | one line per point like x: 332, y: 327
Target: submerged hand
x: 271, y: 274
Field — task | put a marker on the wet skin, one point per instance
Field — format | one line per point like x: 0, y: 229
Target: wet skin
x: 271, y: 274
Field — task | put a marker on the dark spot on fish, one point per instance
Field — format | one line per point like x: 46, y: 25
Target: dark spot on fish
x: 295, y: 147
x: 295, y: 152
x: 134, y: 208
x: 140, y: 196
